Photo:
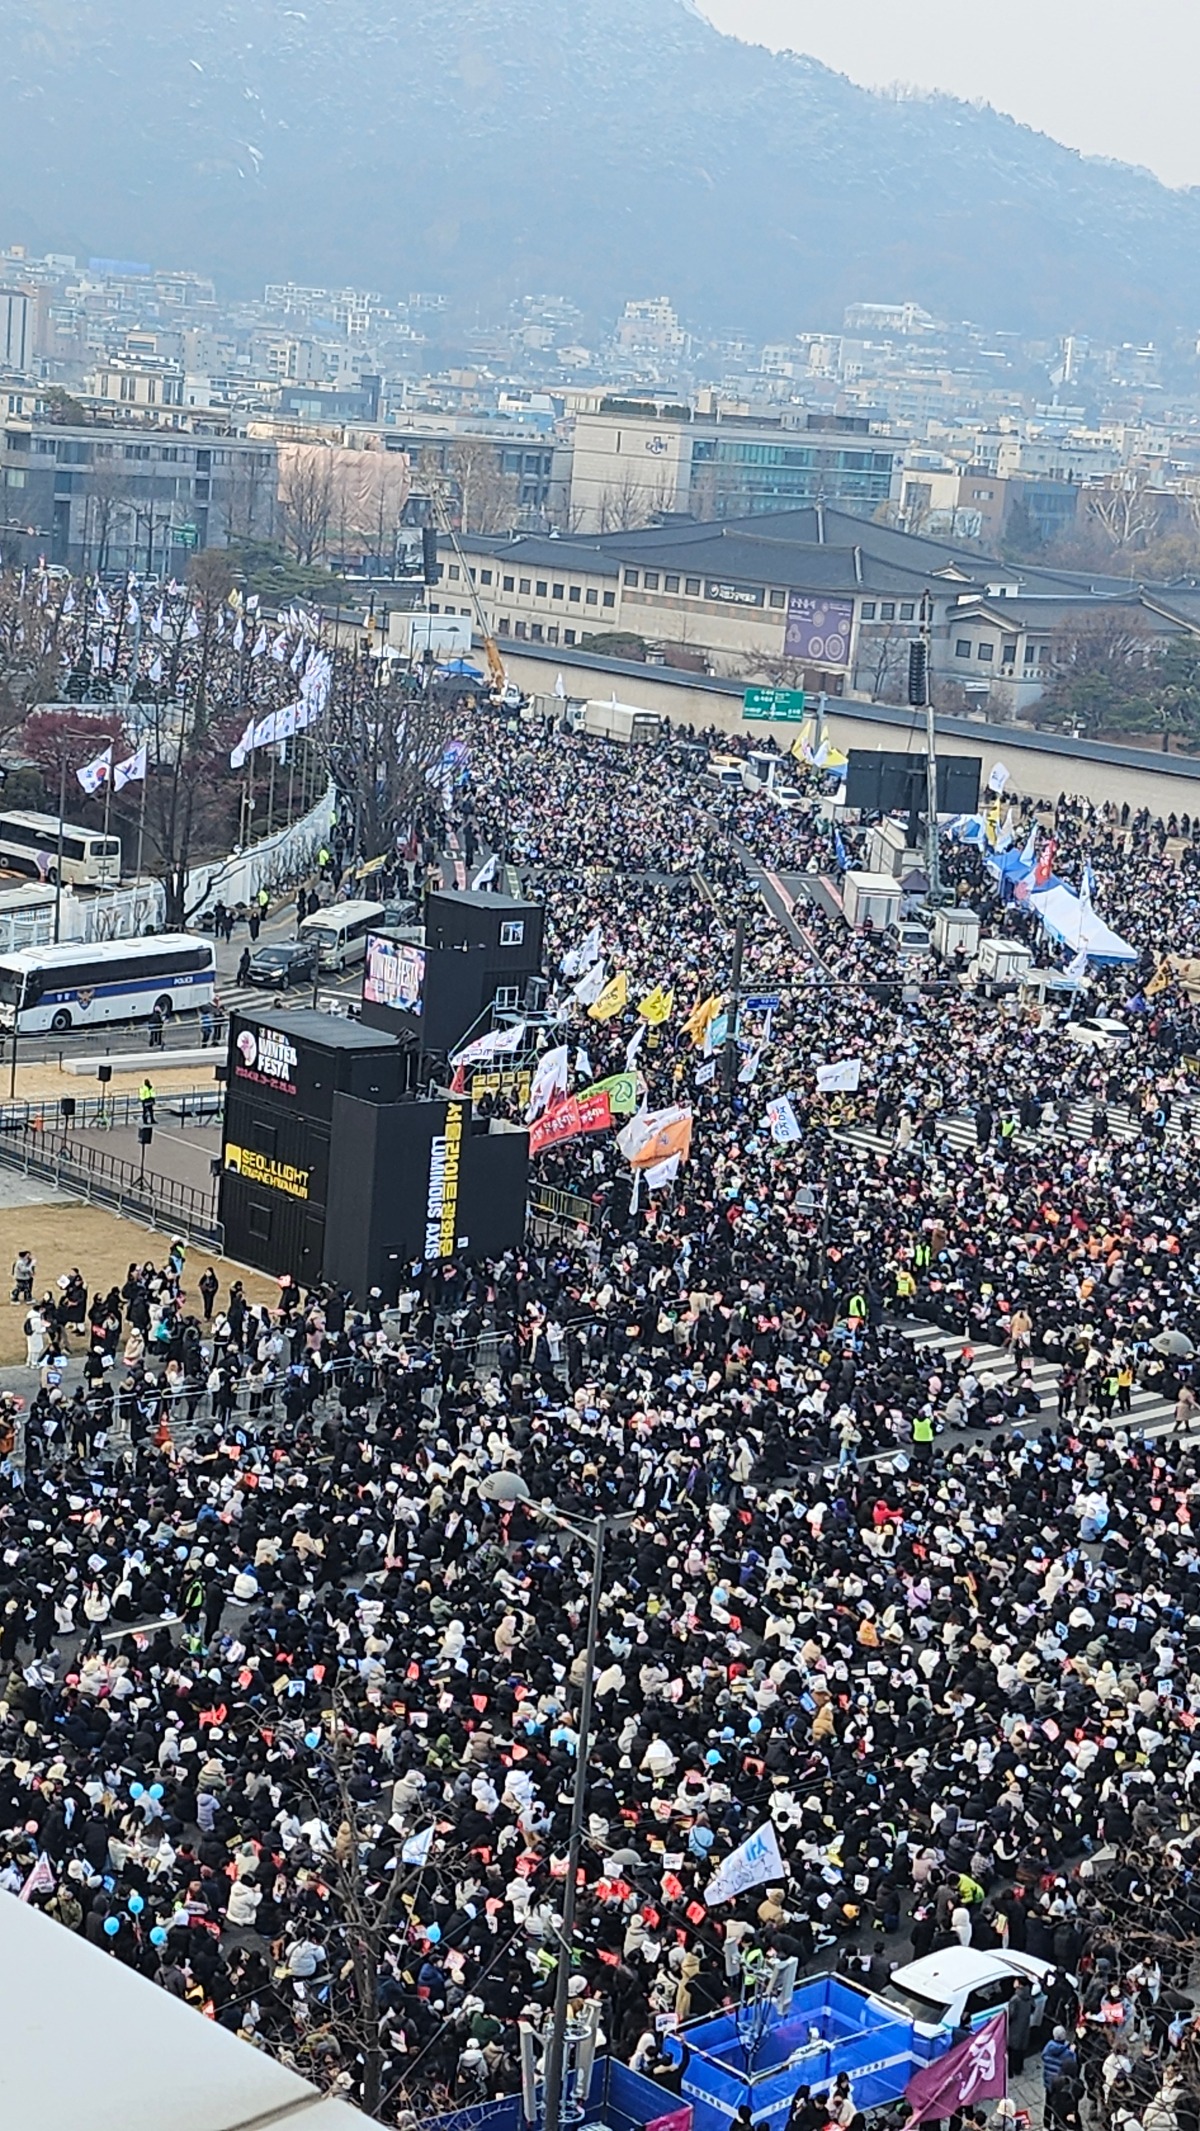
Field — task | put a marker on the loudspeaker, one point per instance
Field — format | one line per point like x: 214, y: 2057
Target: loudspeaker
x: 430, y: 566
x: 66, y: 1105
x: 104, y: 1073
x: 145, y: 1135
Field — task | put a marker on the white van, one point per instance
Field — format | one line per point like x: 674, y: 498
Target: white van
x: 340, y: 932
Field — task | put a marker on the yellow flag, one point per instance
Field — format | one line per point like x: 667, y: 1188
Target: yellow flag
x: 656, y: 1006
x: 701, y: 1018
x: 613, y: 999
x: 1163, y: 976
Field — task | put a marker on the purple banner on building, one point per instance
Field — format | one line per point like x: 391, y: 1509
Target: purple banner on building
x: 818, y: 630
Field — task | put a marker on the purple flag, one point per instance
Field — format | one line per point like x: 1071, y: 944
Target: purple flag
x: 974, y: 2070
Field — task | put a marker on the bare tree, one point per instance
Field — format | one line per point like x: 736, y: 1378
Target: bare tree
x: 488, y: 498
x: 384, y: 737
x: 106, y: 502
x: 882, y: 656
x: 307, y: 497
x: 1127, y: 510
x: 33, y: 638
x: 624, y: 505
x: 251, y: 496
x: 362, y: 1861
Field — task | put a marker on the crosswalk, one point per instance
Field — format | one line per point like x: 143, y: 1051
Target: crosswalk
x: 957, y: 1130
x: 1149, y: 1411
x: 252, y: 998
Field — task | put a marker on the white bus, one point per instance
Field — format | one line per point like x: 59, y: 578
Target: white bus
x: 29, y: 844
x: 82, y: 986
x: 339, y: 932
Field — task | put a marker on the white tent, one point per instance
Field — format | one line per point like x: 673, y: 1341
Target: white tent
x: 90, y: 2046
x: 1076, y: 926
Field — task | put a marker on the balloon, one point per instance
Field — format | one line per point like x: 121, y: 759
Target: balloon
x: 158, y: 1936
x: 156, y: 1790
x: 135, y: 1905
x: 434, y: 1932
x: 137, y: 1790
x: 112, y: 1924
x: 756, y: 1723
x: 312, y: 1738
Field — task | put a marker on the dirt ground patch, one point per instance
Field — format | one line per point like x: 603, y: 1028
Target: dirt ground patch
x: 64, y: 1234
x: 45, y: 1083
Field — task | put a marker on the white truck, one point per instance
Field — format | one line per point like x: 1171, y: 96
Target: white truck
x: 621, y: 721
x: 871, y: 895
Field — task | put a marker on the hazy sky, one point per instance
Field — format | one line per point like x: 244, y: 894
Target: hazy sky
x: 1102, y: 76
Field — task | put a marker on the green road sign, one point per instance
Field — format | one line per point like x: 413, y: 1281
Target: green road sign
x: 785, y: 706
x: 186, y: 536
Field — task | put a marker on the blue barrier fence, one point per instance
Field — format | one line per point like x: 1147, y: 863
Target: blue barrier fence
x: 832, y: 2027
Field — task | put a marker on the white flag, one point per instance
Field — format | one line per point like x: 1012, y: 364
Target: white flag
x: 840, y: 1078
x: 239, y: 634
x: 1077, y: 967
x: 660, y: 1173
x: 486, y: 874
x: 590, y: 985
x: 156, y: 621
x: 560, y: 689
x: 550, y: 1079
x: 589, y: 950
x: 752, y: 1864
x: 583, y: 1066
x: 260, y: 642
x: 635, y: 1043
x: 416, y: 1850
x: 156, y: 671
x: 94, y: 775
x: 784, y: 1123
x: 131, y: 771
x: 133, y: 613
x: 1004, y: 834
x: 191, y: 627
x: 279, y: 647
x: 999, y: 777
x: 497, y: 1045
x: 102, y: 607
x: 243, y: 748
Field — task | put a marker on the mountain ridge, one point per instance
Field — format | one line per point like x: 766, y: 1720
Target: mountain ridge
x: 596, y: 148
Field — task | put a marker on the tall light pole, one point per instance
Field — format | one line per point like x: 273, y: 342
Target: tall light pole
x: 509, y: 1487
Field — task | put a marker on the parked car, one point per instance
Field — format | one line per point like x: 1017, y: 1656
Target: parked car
x: 962, y: 1985
x: 1098, y: 1032
x: 281, y: 964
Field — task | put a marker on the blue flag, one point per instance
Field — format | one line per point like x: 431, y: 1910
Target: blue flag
x: 839, y: 852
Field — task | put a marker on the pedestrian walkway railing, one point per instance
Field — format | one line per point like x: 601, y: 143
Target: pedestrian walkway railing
x: 104, y: 1179
x: 568, y: 1211
x: 89, y: 1113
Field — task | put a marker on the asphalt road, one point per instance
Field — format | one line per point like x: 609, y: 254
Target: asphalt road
x: 114, y: 1038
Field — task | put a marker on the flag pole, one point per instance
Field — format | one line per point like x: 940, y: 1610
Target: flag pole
x: 142, y: 820
x: 108, y: 778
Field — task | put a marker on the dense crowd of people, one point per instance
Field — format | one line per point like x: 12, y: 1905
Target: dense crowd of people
x: 272, y: 1660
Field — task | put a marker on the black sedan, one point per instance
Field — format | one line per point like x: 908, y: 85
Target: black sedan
x: 281, y: 965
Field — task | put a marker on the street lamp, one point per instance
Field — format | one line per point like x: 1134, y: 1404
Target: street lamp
x: 507, y: 1488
